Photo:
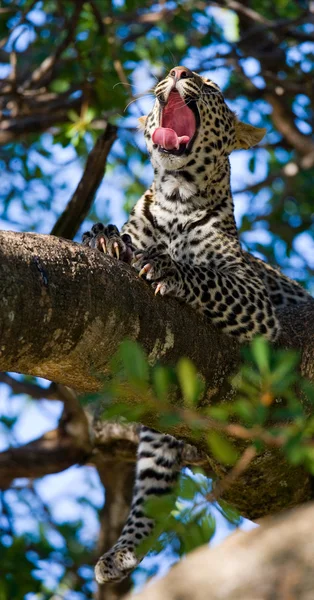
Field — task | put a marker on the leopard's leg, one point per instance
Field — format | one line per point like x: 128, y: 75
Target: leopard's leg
x: 159, y: 459
x: 235, y: 300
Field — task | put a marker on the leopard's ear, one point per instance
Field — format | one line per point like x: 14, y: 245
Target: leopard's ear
x: 247, y: 135
x: 141, y: 123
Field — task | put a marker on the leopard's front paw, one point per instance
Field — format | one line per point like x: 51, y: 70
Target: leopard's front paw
x: 107, y: 239
x: 159, y: 269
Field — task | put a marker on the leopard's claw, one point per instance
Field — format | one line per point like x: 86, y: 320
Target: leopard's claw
x: 116, y: 249
x: 158, y: 288
x: 102, y: 243
x: 144, y: 270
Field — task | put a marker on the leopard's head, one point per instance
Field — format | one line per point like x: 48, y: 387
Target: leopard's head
x: 190, y: 121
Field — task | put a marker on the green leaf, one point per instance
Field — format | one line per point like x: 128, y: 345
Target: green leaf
x: 221, y: 448
x: 229, y: 512
x: 244, y: 409
x: 59, y: 86
x: 189, y: 381
x: 308, y: 389
x: 288, y: 362
x: 160, y: 506
x: 179, y: 41
x: 220, y: 413
x: 169, y: 420
x: 261, y: 354
x: 73, y: 116
x: 161, y: 382
x: 208, y: 527
x: 294, y: 449
x: 134, y: 362
x: 188, y: 487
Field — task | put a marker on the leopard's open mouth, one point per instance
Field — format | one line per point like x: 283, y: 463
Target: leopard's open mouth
x: 179, y: 121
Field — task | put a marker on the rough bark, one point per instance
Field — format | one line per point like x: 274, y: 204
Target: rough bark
x: 273, y: 561
x: 64, y: 309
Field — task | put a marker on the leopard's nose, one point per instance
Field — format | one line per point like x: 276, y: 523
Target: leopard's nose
x: 181, y: 73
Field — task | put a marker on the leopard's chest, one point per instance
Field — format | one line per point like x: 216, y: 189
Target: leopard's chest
x: 184, y: 239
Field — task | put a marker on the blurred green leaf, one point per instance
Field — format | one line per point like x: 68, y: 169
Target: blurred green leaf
x: 161, y: 382
x: 189, y: 381
x: 134, y: 362
x: 261, y: 354
x: 222, y: 449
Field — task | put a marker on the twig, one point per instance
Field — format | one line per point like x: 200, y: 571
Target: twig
x: 49, y: 63
x: 122, y: 76
x: 98, y: 17
x: 241, y: 465
x: 31, y: 389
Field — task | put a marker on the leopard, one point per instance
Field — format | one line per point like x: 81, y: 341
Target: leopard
x: 182, y: 238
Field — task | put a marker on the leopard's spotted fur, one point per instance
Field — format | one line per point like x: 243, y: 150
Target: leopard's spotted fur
x: 185, y: 230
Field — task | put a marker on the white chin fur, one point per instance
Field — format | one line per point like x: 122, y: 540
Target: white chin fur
x: 168, y: 161
x: 177, y: 184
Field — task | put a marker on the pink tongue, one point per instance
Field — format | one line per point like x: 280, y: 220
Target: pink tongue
x: 168, y: 139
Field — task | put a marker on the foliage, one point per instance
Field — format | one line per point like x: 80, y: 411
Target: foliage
x: 266, y: 412
x: 47, y: 556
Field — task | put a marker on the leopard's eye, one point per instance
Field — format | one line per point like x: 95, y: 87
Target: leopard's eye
x: 211, y: 90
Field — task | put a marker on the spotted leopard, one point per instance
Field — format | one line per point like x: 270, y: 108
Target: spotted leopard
x: 181, y: 235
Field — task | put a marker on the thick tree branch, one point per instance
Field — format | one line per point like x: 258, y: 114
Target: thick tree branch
x: 64, y: 309
x: 273, y: 561
x: 86, y: 304
x: 76, y: 210
x: 52, y: 453
x: 283, y: 120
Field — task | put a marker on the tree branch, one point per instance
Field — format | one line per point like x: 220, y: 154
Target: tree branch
x: 36, y: 391
x: 284, y: 122
x: 87, y: 304
x: 76, y: 210
x: 51, y: 453
x: 14, y: 128
x: 117, y: 479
